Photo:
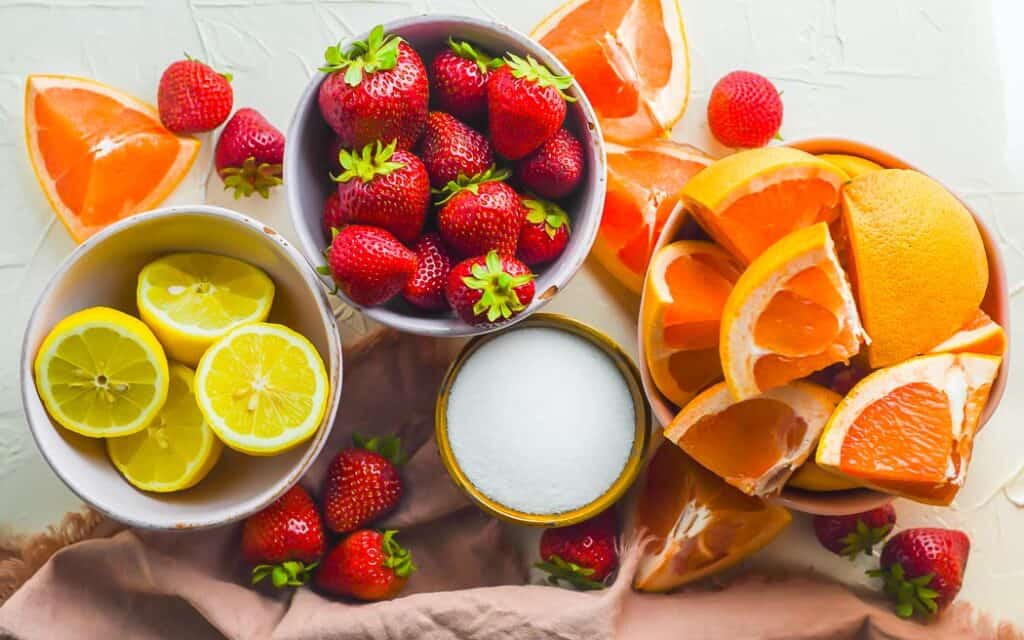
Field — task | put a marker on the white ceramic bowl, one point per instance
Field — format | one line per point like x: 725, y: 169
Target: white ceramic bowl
x: 307, y: 182
x: 103, y: 271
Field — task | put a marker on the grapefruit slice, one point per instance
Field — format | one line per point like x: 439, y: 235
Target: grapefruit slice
x: 643, y: 189
x: 790, y: 314
x: 748, y: 201
x: 980, y: 335
x: 684, y: 294
x: 99, y: 154
x: 755, y: 445
x: 631, y: 59
x: 700, y: 524
x: 909, y: 429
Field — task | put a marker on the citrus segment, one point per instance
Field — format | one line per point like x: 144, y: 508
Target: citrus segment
x: 99, y: 154
x: 751, y: 199
x: 980, y: 335
x: 852, y: 166
x: 700, y: 525
x: 811, y: 477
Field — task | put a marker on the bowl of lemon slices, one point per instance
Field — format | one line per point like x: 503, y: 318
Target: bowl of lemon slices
x: 182, y: 368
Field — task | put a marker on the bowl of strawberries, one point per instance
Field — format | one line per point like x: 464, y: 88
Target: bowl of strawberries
x: 446, y: 173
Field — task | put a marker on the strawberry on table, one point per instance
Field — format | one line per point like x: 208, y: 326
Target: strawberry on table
x: 367, y: 565
x: 545, y: 232
x: 555, y: 168
x: 923, y: 569
x: 376, y: 90
x: 249, y: 154
x: 526, y: 105
x: 583, y: 555
x: 362, y: 483
x: 193, y: 98
x: 369, y: 264
x: 332, y: 211
x: 744, y: 110
x: 458, y: 80
x: 425, y: 289
x: 479, y: 214
x: 450, y: 148
x: 489, y: 289
x: 856, y: 533
x: 285, y: 540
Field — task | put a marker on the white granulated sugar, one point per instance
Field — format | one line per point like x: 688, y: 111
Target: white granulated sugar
x: 541, y: 420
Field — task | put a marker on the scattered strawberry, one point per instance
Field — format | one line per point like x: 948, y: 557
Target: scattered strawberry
x: 555, y: 168
x: 377, y: 90
x: 367, y: 565
x: 544, y: 234
x: 249, y: 154
x: 526, y: 105
x: 334, y: 148
x: 459, y: 80
x: 490, y: 288
x: 332, y: 211
x: 450, y: 148
x: 923, y: 569
x: 425, y: 289
x: 193, y: 98
x: 583, y: 554
x: 481, y: 213
x: 744, y: 110
x: 855, y: 533
x: 369, y: 264
x: 384, y: 187
x: 285, y: 540
x: 362, y: 483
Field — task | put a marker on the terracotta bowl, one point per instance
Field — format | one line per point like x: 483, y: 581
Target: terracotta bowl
x: 995, y: 304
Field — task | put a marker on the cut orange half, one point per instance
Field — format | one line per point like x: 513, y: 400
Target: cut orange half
x: 909, y: 429
x: 755, y: 445
x: 631, y: 59
x: 790, y: 314
x: 99, y: 155
x: 980, y: 335
x: 684, y: 294
x: 700, y: 525
x: 643, y: 189
x: 750, y: 200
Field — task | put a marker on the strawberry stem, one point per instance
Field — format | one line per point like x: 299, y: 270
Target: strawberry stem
x: 251, y: 177
x: 912, y: 595
x: 396, y: 557
x: 572, y: 573
x: 863, y: 539
x: 552, y: 215
x: 533, y: 71
x: 290, y: 573
x: 471, y: 184
x: 388, y: 447
x: 379, y: 52
x: 368, y: 164
x: 465, y: 50
x: 499, y: 299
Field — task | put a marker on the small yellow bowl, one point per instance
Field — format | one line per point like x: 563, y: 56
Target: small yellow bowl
x: 629, y: 471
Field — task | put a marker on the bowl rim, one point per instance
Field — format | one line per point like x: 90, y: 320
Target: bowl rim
x: 334, y: 363
x: 567, y: 265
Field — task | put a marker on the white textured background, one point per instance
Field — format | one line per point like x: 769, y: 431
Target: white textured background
x: 938, y: 82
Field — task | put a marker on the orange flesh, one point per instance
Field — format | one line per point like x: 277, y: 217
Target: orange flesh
x: 700, y: 285
x: 694, y: 370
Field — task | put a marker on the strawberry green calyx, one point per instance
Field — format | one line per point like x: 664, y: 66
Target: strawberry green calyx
x: 377, y: 53
x: 863, y: 539
x: 534, y: 71
x: 396, y: 557
x: 499, y: 299
x: 227, y: 76
x: 552, y: 215
x: 912, y: 595
x: 471, y: 184
x: 368, y: 164
x: 465, y: 50
x: 251, y: 177
x: 388, y: 447
x: 290, y: 573
x: 577, y: 576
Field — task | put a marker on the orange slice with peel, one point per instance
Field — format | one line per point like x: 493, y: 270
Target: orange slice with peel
x: 790, y: 314
x: 755, y: 445
x: 631, y: 59
x: 980, y: 335
x: 909, y: 429
x: 643, y: 189
x: 99, y: 154
x: 684, y: 293
x: 748, y: 201
x: 700, y: 525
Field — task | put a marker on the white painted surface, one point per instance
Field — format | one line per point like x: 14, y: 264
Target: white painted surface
x: 935, y: 81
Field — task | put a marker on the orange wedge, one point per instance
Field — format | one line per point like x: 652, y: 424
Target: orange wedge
x: 755, y: 445
x: 852, y: 166
x: 700, y: 525
x: 748, y: 201
x: 643, y: 189
x: 631, y: 59
x: 909, y: 429
x: 684, y: 294
x: 790, y: 314
x: 980, y: 335
x: 99, y: 155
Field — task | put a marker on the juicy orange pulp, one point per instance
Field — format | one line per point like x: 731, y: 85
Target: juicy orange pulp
x: 700, y: 284
x: 979, y: 335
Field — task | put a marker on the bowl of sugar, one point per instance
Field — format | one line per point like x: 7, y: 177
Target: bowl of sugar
x: 544, y: 424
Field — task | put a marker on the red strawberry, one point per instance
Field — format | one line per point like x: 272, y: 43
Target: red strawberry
x: 367, y: 565
x: 544, y: 234
x: 744, y: 110
x: 193, y: 98
x: 384, y: 188
x: 490, y: 288
x: 583, y: 554
x: 285, y: 540
x: 555, y: 168
x: 481, y: 213
x: 449, y: 149
x: 332, y: 211
x: 425, y: 288
x: 855, y: 533
x: 249, y: 154
x: 369, y: 264
x: 362, y: 483
x: 526, y: 105
x: 923, y: 569
x: 459, y: 80
x: 377, y: 90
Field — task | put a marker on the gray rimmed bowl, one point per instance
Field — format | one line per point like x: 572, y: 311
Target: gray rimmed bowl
x: 307, y: 182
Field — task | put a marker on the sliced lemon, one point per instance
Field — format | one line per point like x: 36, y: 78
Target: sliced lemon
x: 263, y: 388
x: 176, y: 450
x: 192, y: 299
x: 101, y: 373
